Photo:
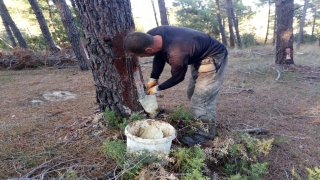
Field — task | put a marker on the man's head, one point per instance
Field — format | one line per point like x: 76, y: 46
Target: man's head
x: 139, y: 44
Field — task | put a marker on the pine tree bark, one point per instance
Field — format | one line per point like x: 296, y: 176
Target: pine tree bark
x: 301, y: 24
x: 284, y: 39
x: 43, y: 26
x: 73, y: 33
x: 231, y: 38
x: 8, y: 31
x: 105, y: 23
x: 221, y: 27
x: 163, y: 12
x: 5, y: 14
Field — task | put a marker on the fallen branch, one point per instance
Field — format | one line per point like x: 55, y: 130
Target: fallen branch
x: 295, y: 137
x: 254, y: 131
x: 279, y: 74
x: 238, y: 92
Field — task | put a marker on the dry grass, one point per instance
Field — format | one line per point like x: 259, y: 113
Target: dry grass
x: 63, y: 135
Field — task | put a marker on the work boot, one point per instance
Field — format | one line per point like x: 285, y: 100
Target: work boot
x: 199, y: 137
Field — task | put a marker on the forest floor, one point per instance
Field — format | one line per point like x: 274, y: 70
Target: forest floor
x: 41, y: 133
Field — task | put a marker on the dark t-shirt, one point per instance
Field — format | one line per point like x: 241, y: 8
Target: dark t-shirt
x: 181, y: 47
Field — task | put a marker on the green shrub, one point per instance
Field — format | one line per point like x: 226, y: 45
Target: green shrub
x: 190, y: 161
x: 249, y: 40
x: 180, y: 113
x: 313, y: 174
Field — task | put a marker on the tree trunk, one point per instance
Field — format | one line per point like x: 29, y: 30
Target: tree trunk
x: 105, y: 23
x: 5, y: 14
x: 221, y: 28
x: 229, y: 6
x: 72, y: 32
x: 43, y: 26
x: 302, y: 22
x: 314, y: 22
x: 236, y: 27
x: 154, y: 12
x: 274, y: 30
x: 51, y: 21
x: 267, y: 33
x: 284, y: 41
x: 163, y: 12
x: 8, y: 30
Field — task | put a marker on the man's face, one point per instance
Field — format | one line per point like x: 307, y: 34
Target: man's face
x: 142, y: 55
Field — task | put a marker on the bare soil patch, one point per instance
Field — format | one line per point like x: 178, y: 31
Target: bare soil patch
x: 38, y: 135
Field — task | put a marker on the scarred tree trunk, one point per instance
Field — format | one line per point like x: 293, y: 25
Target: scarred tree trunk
x: 284, y: 40
x: 5, y: 14
x: 154, y: 12
x: 302, y: 22
x: 8, y: 31
x: 43, y: 26
x: 163, y: 12
x: 72, y: 32
x: 105, y: 23
x: 221, y: 28
x: 229, y: 6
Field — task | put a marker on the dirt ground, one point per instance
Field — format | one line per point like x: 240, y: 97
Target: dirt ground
x: 39, y: 135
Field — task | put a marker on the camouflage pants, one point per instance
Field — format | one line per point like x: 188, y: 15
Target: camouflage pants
x: 204, y: 86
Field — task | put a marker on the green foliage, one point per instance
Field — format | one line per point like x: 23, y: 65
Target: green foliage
x: 196, y: 14
x: 190, y: 161
x: 180, y: 113
x: 115, y: 150
x: 113, y: 119
x: 255, y: 173
x: 117, y: 122
x: 249, y: 40
x: 130, y: 164
x: 137, y: 116
x: 36, y: 43
x: 313, y: 174
x: 240, y: 161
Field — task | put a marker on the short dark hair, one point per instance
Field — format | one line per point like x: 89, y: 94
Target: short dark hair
x: 137, y: 42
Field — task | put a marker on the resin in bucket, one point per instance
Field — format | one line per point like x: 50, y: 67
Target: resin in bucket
x: 150, y: 135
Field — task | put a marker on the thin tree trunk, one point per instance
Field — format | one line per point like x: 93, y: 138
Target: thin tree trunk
x: 8, y: 31
x: 267, y: 33
x: 72, y: 32
x: 113, y: 70
x: 284, y: 41
x: 314, y: 22
x: 14, y: 28
x: 43, y: 26
x: 229, y: 6
x: 274, y: 30
x: 236, y: 27
x: 221, y: 28
x: 163, y: 12
x: 51, y: 21
x: 154, y: 12
x: 302, y: 22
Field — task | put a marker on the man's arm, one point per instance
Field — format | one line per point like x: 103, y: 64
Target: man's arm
x: 179, y: 67
x: 157, y: 67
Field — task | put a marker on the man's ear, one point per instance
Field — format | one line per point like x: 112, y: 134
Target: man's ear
x: 149, y: 50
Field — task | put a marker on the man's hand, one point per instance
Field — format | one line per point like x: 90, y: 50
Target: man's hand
x: 151, y: 83
x: 154, y: 90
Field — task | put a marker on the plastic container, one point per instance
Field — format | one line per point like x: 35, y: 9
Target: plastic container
x: 135, y: 143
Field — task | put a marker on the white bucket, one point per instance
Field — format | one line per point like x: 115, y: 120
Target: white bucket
x: 135, y: 143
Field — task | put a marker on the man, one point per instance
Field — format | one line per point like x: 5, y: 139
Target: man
x: 180, y: 47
